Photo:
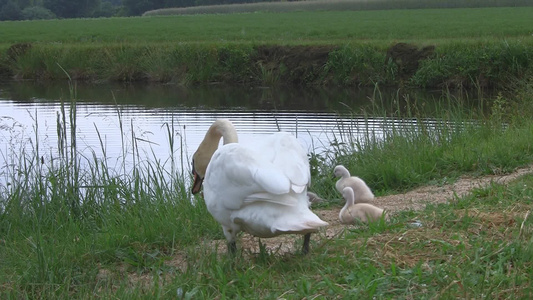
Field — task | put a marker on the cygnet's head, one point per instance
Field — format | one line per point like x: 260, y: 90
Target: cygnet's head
x: 341, y: 171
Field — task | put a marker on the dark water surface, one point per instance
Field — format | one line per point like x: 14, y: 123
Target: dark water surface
x: 119, y: 122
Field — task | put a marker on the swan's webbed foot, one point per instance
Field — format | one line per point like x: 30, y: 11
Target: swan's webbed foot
x: 232, y: 247
x: 305, y: 248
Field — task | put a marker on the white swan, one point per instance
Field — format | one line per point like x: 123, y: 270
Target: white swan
x: 260, y: 189
x: 361, y: 191
x: 362, y: 211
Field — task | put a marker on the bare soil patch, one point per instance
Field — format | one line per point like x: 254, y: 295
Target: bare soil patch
x: 297, y: 65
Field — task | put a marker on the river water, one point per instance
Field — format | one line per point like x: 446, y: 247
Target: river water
x: 126, y: 124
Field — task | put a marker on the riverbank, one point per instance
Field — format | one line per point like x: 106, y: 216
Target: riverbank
x: 420, y: 48
x: 455, y: 65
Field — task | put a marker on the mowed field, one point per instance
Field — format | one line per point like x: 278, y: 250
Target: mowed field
x: 316, y: 27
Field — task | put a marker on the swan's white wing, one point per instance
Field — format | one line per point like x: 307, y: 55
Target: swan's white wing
x: 242, y: 174
x: 289, y: 157
x: 284, y: 199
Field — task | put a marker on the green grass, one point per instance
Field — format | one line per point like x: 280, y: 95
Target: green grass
x: 75, y: 227
x: 318, y: 27
x: 477, y: 46
x: 483, y: 64
x: 432, y: 150
x: 334, y: 5
x: 436, y: 155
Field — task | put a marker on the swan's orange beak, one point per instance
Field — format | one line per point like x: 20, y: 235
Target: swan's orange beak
x: 197, y: 184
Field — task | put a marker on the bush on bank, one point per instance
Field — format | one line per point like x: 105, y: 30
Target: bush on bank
x: 489, y: 64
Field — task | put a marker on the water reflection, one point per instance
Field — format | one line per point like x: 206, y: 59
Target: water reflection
x: 117, y: 121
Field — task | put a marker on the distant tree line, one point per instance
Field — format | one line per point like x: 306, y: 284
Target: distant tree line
x: 51, y: 9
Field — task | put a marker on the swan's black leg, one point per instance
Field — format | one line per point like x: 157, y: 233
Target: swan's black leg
x: 305, y: 248
x: 232, y: 247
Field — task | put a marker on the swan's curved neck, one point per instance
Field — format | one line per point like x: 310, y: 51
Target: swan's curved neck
x: 349, y: 196
x: 221, y: 128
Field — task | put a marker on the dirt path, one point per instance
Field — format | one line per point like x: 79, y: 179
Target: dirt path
x: 415, y: 200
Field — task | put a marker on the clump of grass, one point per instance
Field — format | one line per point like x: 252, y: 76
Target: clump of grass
x: 472, y: 65
x: 181, y: 64
x: 360, y: 65
x: 487, y: 65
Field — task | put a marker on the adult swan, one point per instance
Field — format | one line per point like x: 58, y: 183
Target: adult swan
x: 260, y: 188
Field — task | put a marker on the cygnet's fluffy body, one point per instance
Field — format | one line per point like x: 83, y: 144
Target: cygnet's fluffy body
x: 362, y: 192
x: 362, y: 211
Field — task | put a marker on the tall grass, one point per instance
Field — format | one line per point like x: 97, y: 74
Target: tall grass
x: 487, y: 64
x: 409, y: 150
x: 63, y: 215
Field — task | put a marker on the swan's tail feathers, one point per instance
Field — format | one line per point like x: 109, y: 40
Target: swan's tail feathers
x: 301, y: 227
x: 287, y: 200
x: 298, y: 188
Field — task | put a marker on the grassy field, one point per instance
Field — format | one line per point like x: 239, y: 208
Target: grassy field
x: 322, y: 27
x: 336, y: 5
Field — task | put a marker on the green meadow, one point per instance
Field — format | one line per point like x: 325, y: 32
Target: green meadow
x: 335, y: 5
x: 303, y: 27
x: 74, y: 227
